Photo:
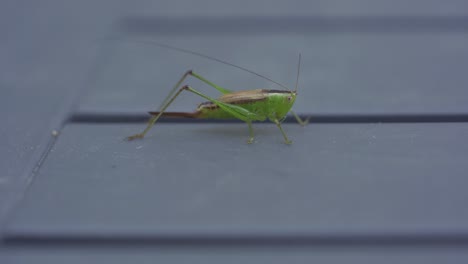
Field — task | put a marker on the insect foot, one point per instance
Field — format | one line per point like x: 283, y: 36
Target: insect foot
x: 130, y: 138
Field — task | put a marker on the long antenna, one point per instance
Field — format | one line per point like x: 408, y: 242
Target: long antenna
x: 151, y: 42
x: 298, y: 71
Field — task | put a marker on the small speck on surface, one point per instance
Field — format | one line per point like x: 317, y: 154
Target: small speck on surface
x: 55, y: 133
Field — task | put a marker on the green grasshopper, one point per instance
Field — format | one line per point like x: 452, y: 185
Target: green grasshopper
x: 247, y: 105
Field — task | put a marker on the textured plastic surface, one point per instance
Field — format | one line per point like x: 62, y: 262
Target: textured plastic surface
x: 196, y: 178
x: 194, y: 192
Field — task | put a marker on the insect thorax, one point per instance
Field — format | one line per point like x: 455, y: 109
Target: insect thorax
x: 280, y: 103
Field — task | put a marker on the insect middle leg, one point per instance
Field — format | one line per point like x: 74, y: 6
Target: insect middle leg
x: 251, y: 134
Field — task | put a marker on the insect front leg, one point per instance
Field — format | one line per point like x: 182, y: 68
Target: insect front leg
x: 299, y: 119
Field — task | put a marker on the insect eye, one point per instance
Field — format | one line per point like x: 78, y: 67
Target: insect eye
x: 289, y: 98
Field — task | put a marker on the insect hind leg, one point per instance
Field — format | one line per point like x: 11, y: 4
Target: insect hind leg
x: 173, y: 95
x: 237, y: 111
x: 155, y: 118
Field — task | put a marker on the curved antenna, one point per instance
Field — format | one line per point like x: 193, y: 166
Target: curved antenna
x: 209, y: 58
x: 298, y: 71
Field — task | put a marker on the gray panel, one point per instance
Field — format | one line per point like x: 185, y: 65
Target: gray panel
x: 196, y: 178
x: 300, y: 7
x: 235, y: 254
x: 341, y: 73
x: 45, y: 56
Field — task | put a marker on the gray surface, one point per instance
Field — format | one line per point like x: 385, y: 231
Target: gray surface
x: 43, y: 62
x: 335, y: 178
x: 51, y: 52
x: 341, y: 73
x: 235, y: 254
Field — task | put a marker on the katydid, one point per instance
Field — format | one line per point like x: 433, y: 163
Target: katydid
x: 246, y: 105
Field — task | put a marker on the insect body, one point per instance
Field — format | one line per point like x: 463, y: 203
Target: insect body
x: 248, y: 105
